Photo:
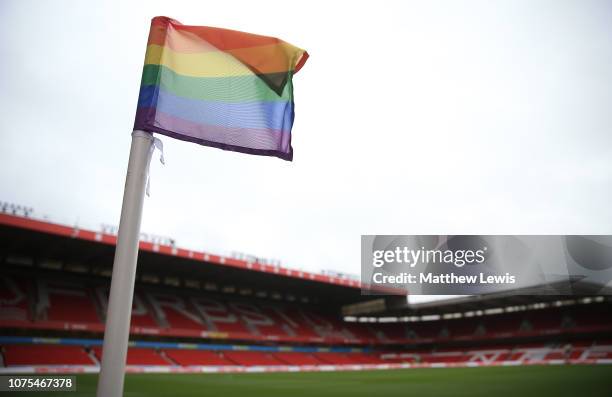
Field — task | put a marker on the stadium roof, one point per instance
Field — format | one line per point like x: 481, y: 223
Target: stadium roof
x: 28, y: 236
x: 545, y: 294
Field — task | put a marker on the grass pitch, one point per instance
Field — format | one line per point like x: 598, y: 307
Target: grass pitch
x: 537, y: 381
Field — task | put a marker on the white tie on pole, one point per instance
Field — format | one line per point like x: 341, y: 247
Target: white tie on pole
x: 159, y: 145
x: 117, y: 330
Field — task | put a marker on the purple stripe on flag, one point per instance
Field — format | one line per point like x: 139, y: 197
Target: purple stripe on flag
x: 246, y: 140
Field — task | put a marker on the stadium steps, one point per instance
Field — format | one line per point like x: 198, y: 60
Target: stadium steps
x: 194, y: 357
x: 167, y: 358
x: 93, y: 357
x: 252, y: 358
x: 281, y: 359
x: 99, y: 307
x: 252, y: 329
x: 288, y: 330
x: 224, y: 356
x: 137, y: 356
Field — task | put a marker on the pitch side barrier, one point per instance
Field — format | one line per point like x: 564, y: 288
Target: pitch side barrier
x: 135, y: 369
x: 599, y: 354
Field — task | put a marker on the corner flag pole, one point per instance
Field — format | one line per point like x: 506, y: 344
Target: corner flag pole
x: 117, y: 331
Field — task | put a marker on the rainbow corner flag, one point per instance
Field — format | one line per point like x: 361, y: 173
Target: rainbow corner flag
x: 219, y: 87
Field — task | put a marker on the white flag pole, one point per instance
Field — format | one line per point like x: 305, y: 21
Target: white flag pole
x: 117, y: 331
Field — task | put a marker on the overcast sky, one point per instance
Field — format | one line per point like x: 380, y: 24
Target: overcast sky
x: 412, y: 117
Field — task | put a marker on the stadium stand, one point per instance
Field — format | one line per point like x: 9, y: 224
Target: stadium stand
x: 251, y: 358
x: 190, y: 357
x: 60, y: 305
x: 61, y: 301
x: 295, y: 358
x: 35, y: 354
x: 138, y: 356
x: 54, y: 290
x: 334, y: 358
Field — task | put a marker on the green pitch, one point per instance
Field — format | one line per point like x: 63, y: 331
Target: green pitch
x: 537, y: 381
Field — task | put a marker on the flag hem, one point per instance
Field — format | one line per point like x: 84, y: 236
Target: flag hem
x: 223, y: 146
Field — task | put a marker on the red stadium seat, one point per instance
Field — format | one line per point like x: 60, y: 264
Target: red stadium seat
x: 65, y: 302
x: 251, y: 358
x: 137, y: 356
x: 365, y: 358
x: 45, y: 355
x: 217, y: 316
x: 175, y: 311
x: 334, y: 358
x: 297, y: 358
x: 142, y: 315
x: 70, y: 304
x: 188, y: 357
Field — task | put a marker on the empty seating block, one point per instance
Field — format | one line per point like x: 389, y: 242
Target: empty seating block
x: 197, y: 357
x: 250, y: 358
x: 334, y: 358
x: 76, y: 303
x: 365, y: 358
x: 45, y: 355
x: 297, y: 358
x: 138, y: 356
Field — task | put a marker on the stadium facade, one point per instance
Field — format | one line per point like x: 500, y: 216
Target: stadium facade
x: 199, y: 312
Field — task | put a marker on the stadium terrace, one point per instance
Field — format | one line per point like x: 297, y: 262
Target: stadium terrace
x: 187, y: 316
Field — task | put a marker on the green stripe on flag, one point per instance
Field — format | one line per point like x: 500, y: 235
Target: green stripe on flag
x: 226, y: 89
